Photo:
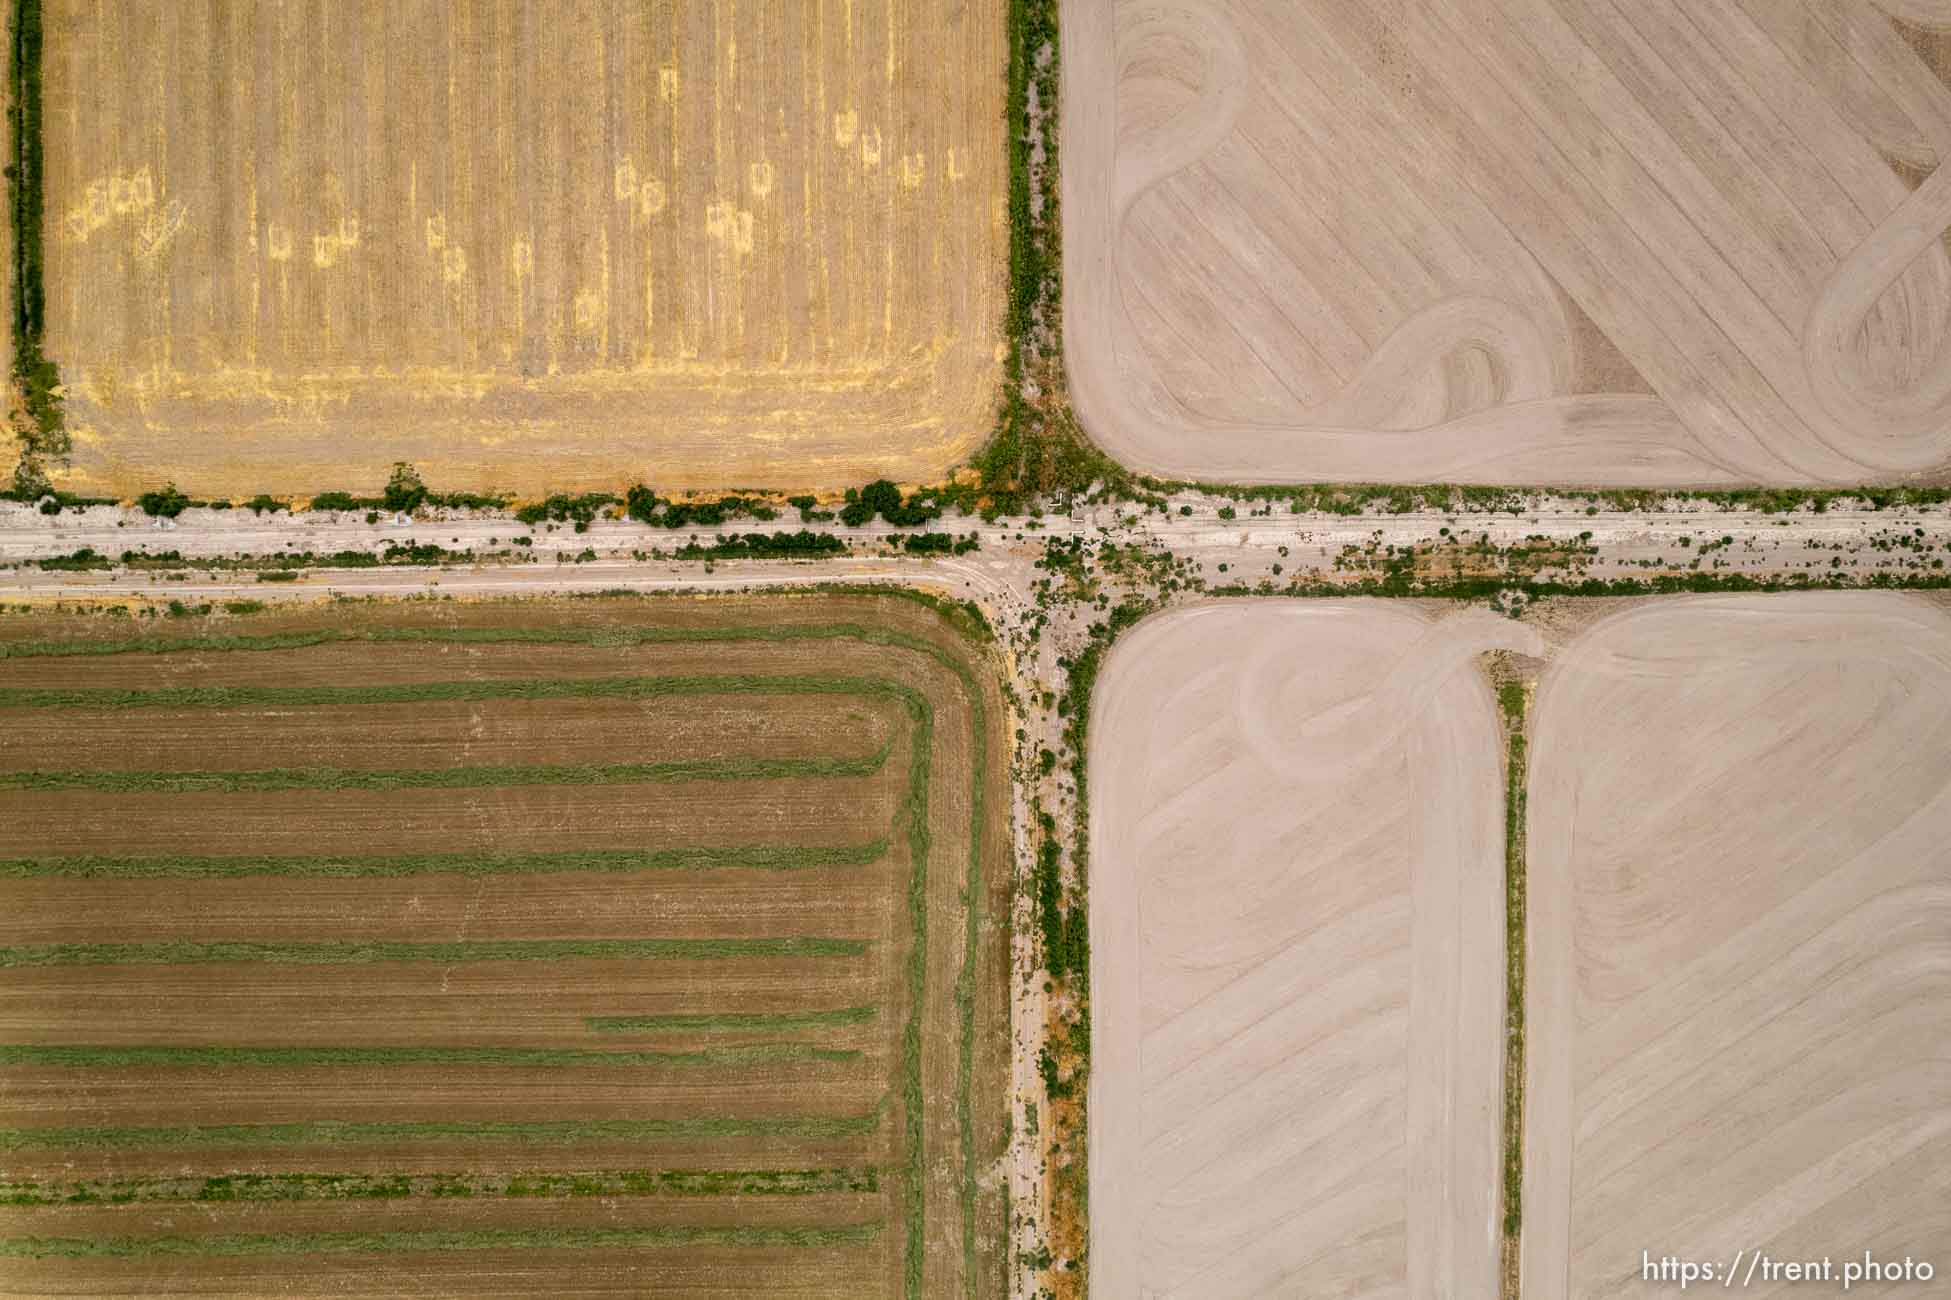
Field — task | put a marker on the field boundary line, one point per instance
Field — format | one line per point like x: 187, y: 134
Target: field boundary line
x: 1514, y: 704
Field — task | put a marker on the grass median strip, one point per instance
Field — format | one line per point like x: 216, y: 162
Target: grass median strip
x: 754, y: 1020
x: 453, y: 778
x: 347, y: 1243
x: 514, y: 1132
x: 249, y: 1188
x: 758, y: 857
x: 357, y: 952
x: 78, y: 1056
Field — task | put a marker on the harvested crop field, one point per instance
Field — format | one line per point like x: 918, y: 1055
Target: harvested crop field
x: 1297, y: 958
x: 1738, y: 943
x: 1511, y: 241
x: 596, y: 947
x: 524, y: 246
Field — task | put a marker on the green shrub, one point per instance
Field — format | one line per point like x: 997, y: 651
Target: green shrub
x: 404, y: 491
x: 163, y: 503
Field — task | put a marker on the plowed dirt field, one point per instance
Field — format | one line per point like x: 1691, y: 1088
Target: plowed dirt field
x: 651, y: 947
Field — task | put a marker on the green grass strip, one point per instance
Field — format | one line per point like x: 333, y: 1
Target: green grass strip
x: 360, y: 1243
x: 90, y: 1056
x: 250, y: 1188
x: 518, y: 1132
x: 36, y: 378
x: 361, y: 952
x: 759, y: 857
x: 1515, y: 706
x: 755, y: 1020
x: 612, y: 637
x: 452, y: 778
x: 541, y: 688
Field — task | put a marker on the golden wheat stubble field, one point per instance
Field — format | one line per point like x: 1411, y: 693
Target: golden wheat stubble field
x: 525, y: 246
x: 1658, y: 243
x: 650, y: 947
x: 1297, y: 958
x: 1740, y: 928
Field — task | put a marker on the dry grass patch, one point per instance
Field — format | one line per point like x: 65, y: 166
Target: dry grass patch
x: 524, y: 248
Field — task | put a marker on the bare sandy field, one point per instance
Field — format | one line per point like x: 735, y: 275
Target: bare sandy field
x: 1739, y: 940
x: 524, y: 246
x: 502, y: 890
x: 1297, y: 957
x: 1513, y: 241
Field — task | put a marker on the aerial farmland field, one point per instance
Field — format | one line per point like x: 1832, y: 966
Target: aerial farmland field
x: 1738, y: 943
x: 1511, y: 241
x: 1298, y: 953
x: 611, y: 947
x: 524, y: 246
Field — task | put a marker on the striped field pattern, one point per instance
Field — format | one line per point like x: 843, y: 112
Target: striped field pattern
x: 650, y: 947
x: 1641, y: 243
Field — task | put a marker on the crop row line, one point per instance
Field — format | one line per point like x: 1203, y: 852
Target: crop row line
x: 522, y: 1132
x: 362, y: 952
x: 754, y: 1020
x: 487, y: 776
x: 340, y: 1243
x: 251, y: 1188
x: 199, y: 1056
x: 599, y: 638
x: 757, y: 857
x: 521, y: 688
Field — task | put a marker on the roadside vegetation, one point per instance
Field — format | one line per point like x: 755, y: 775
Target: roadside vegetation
x: 36, y: 397
x: 1514, y: 706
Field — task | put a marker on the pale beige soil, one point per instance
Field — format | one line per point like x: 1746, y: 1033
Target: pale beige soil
x: 1531, y: 241
x: 524, y: 246
x: 1297, y: 954
x: 1738, y: 941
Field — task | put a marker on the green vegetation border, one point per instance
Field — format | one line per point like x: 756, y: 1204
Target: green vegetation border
x: 336, y: 1243
x: 1514, y: 706
x: 539, y: 1185
x: 36, y: 383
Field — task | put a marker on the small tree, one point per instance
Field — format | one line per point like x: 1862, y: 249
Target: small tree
x: 404, y: 491
x: 163, y: 503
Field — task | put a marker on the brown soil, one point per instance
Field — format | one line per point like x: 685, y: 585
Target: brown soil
x: 518, y: 1003
x: 494, y: 1003
x: 447, y: 734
